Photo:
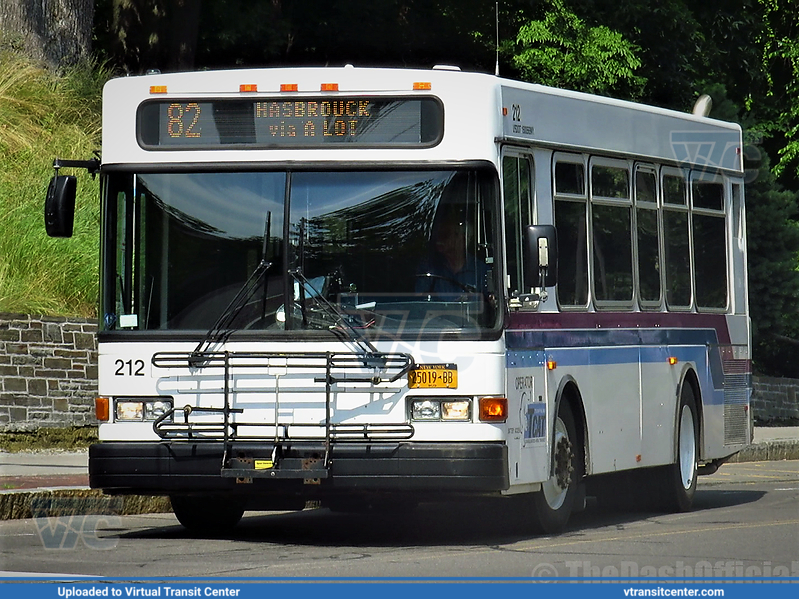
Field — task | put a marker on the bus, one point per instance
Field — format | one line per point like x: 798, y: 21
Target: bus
x: 370, y: 288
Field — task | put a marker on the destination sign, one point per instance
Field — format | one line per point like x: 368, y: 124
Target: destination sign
x: 295, y: 123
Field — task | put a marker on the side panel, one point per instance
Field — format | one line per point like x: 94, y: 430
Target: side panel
x: 529, y: 424
x: 629, y: 368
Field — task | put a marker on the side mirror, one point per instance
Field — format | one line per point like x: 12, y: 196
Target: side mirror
x: 540, y: 256
x: 59, y: 206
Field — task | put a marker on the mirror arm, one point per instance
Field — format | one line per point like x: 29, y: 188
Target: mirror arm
x: 92, y: 165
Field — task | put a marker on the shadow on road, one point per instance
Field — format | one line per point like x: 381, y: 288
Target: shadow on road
x: 467, y: 523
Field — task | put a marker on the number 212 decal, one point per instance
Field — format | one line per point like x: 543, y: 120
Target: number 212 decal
x: 129, y: 367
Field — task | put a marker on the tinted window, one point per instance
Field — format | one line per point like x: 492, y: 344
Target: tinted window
x: 612, y: 251
x: 570, y: 219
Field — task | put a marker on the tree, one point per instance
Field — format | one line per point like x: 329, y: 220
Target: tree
x: 562, y: 50
x: 780, y: 46
x: 139, y: 35
x: 773, y: 236
x: 56, y: 32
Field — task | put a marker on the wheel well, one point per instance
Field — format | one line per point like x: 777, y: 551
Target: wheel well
x: 570, y: 394
x: 690, y: 378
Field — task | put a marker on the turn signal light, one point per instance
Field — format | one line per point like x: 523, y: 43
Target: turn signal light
x: 493, y: 409
x: 101, y: 409
x: 673, y: 360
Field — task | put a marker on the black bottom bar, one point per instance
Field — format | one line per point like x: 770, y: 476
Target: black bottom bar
x: 164, y: 468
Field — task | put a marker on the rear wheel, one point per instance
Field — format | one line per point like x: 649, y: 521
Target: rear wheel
x: 556, y: 500
x: 204, y: 513
x: 680, y: 479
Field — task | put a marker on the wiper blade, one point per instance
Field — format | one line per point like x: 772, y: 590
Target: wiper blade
x: 331, y: 310
x: 221, y: 329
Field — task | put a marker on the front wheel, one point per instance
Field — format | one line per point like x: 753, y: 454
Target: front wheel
x: 556, y: 500
x: 203, y: 513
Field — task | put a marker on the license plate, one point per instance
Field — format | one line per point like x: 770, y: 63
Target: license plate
x: 433, y: 376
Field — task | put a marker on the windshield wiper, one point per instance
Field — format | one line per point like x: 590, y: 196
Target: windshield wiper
x: 331, y: 310
x: 221, y: 330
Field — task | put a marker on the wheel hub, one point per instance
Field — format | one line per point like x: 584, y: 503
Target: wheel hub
x: 563, y: 462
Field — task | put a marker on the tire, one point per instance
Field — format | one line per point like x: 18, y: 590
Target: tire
x: 680, y: 479
x: 204, y: 513
x: 556, y: 500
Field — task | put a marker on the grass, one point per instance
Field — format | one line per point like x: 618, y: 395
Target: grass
x: 43, y: 116
x: 73, y: 438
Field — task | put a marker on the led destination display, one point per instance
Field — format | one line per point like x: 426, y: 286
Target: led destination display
x: 300, y: 123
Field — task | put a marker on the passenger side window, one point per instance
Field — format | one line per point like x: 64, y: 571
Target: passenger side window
x: 647, y: 236
x: 676, y: 241
x: 611, y: 233
x: 571, y: 220
x: 517, y: 175
x: 710, y: 242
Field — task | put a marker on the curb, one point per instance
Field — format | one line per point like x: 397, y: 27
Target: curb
x: 767, y: 451
x: 39, y: 503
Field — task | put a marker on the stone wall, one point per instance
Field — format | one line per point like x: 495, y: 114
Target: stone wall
x: 774, y: 401
x: 48, y: 371
x: 48, y: 376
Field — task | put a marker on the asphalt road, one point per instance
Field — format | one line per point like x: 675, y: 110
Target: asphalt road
x: 745, y: 525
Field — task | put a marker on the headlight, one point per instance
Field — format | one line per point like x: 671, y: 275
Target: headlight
x: 130, y: 410
x: 426, y: 410
x: 138, y: 410
x: 432, y: 408
x: 153, y: 410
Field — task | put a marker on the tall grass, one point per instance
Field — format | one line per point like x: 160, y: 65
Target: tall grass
x: 43, y: 116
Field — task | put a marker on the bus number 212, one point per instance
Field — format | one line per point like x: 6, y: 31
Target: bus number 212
x: 129, y: 367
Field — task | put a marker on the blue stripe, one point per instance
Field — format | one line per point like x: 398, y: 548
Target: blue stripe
x: 552, y: 338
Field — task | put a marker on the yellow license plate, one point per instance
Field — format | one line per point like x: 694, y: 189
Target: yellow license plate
x: 433, y: 376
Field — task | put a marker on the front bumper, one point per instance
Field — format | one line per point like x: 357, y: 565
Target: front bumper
x: 169, y: 467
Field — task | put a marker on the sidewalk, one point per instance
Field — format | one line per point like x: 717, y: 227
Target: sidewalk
x: 27, y: 477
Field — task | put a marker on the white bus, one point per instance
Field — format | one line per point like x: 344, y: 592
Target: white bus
x: 378, y: 287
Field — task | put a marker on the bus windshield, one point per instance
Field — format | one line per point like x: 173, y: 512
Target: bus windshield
x: 385, y: 252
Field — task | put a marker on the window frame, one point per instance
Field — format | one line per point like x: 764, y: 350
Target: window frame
x: 595, y: 200
x: 519, y: 155
x: 582, y: 160
x: 716, y: 179
x: 684, y: 208
x: 657, y: 207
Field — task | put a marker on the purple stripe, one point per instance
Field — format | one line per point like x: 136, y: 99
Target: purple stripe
x: 525, y: 321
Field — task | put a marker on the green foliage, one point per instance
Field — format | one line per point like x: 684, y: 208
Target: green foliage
x: 562, y: 50
x: 773, y: 245
x: 780, y: 43
x: 43, y: 116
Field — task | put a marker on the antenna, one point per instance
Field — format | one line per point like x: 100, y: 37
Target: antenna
x: 496, y: 19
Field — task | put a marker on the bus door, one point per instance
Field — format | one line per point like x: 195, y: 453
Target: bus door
x: 527, y: 405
